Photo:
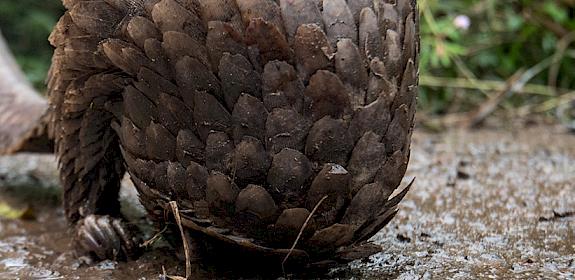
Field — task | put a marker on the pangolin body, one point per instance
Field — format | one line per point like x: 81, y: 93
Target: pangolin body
x: 267, y: 122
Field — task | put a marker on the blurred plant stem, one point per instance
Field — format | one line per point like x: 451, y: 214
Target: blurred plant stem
x: 485, y: 85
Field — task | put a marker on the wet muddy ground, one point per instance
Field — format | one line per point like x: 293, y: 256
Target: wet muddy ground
x: 486, y: 204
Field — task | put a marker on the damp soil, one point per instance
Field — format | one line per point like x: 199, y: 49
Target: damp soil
x: 486, y: 204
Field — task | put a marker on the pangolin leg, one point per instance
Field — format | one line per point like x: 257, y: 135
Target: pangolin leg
x: 85, y: 94
x: 91, y: 171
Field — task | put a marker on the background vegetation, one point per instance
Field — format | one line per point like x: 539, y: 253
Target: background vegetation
x: 515, y: 55
x: 26, y: 25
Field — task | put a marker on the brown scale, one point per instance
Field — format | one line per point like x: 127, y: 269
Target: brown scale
x: 289, y: 176
x: 281, y: 87
x: 253, y: 115
x: 312, y: 50
x: 296, y: 13
x: 329, y: 141
x: 365, y: 160
x: 249, y: 118
x: 223, y: 38
x: 339, y: 21
x: 238, y: 77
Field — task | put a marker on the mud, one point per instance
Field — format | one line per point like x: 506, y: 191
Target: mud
x: 486, y: 204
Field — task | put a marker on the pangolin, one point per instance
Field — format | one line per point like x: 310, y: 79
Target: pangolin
x: 280, y: 130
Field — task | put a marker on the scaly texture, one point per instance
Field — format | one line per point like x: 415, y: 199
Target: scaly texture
x: 247, y: 113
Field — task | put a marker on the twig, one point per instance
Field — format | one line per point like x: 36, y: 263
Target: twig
x: 301, y: 231
x: 516, y: 82
x: 469, y: 75
x: 166, y: 276
x: 154, y: 238
x: 485, y: 109
x: 544, y: 22
x: 486, y: 85
x: 549, y: 105
x: 176, y: 211
x: 562, y: 46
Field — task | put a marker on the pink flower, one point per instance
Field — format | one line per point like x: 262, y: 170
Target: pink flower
x: 462, y: 22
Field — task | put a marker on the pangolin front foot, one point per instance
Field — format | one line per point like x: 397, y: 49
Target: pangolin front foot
x: 105, y: 237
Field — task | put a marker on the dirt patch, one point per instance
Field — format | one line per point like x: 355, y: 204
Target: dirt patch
x: 486, y: 204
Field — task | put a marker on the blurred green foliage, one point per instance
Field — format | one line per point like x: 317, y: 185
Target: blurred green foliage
x: 26, y: 25
x: 471, y: 42
x: 502, y: 39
